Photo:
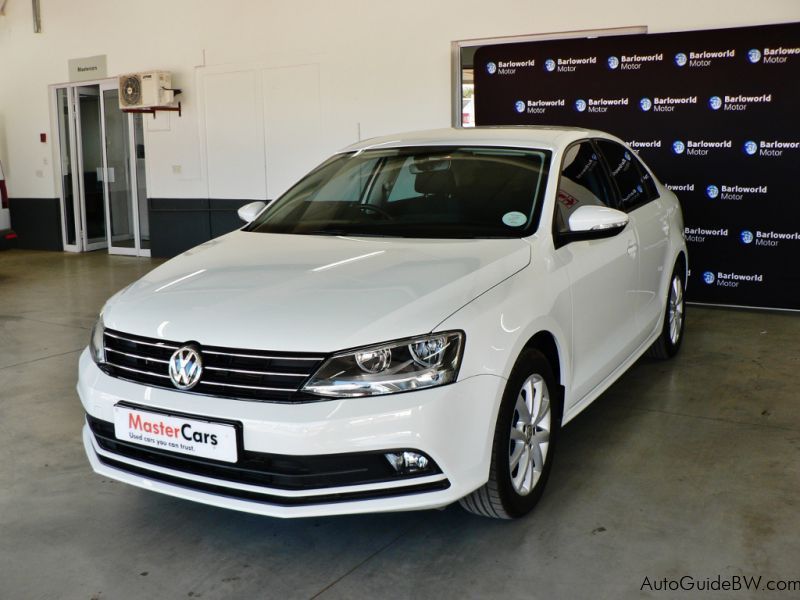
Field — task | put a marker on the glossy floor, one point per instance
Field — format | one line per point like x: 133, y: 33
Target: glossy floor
x: 686, y: 467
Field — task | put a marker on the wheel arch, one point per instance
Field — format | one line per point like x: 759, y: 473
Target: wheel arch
x: 546, y: 343
x: 684, y: 262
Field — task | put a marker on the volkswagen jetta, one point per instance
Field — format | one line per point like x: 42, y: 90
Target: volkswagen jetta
x: 408, y: 326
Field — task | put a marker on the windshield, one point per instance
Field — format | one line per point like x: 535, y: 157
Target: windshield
x: 428, y: 192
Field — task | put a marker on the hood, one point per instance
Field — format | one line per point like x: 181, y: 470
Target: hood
x: 308, y: 293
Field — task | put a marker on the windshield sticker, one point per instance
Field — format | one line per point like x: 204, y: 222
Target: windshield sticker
x: 514, y: 219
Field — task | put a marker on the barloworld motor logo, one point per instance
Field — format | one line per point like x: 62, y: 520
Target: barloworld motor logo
x: 754, y: 55
x: 678, y: 147
x: 613, y: 62
x: 732, y: 280
x: 509, y: 67
x: 549, y: 65
x: 580, y: 105
x: 746, y: 236
x: 681, y: 59
x: 735, y: 192
x: 519, y: 106
x: 715, y: 102
x: 699, y: 235
x: 750, y: 147
x: 645, y: 104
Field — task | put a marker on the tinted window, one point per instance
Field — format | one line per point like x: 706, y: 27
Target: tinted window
x: 583, y: 182
x: 633, y: 181
x: 427, y: 192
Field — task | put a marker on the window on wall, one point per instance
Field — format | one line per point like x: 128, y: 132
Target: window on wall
x: 467, y: 87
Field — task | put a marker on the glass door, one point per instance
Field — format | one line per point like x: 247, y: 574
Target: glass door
x: 103, y: 187
x: 140, y: 184
x: 70, y: 215
x: 124, y: 176
x: 89, y: 128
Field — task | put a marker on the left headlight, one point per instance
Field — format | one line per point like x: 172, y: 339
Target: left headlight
x: 96, y: 341
x: 399, y: 366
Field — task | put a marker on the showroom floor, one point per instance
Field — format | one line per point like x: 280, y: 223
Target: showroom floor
x: 686, y: 467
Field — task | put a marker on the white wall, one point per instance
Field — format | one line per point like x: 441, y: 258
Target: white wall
x: 375, y: 65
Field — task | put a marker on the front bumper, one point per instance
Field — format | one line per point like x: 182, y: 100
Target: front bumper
x: 453, y: 425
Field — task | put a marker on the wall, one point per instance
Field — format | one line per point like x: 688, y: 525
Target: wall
x: 376, y: 67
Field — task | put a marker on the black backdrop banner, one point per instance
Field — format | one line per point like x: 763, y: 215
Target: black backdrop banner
x: 716, y: 115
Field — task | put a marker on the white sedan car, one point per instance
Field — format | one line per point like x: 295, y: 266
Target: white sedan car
x: 410, y: 325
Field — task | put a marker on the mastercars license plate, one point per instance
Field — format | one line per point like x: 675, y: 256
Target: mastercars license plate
x: 176, y: 434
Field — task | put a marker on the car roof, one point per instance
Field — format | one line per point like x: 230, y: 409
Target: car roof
x: 544, y: 137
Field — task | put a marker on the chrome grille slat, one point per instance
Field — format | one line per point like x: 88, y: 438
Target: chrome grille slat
x: 249, y: 387
x: 272, y: 373
x: 150, y: 373
x: 227, y: 373
x: 133, y: 341
x: 161, y: 360
x: 309, y: 358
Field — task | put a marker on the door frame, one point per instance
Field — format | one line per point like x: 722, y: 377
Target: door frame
x: 75, y: 99
x: 71, y: 142
x: 133, y: 199
x: 76, y: 156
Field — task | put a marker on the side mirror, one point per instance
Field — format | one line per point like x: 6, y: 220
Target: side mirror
x: 592, y: 223
x: 250, y: 211
x: 597, y: 218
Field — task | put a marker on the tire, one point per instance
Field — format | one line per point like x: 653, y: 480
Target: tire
x: 510, y: 493
x: 669, y: 342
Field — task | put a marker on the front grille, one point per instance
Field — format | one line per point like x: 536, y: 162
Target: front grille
x: 227, y: 372
x: 276, y: 471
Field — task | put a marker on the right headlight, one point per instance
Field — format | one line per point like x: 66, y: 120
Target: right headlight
x: 399, y: 366
x: 96, y: 346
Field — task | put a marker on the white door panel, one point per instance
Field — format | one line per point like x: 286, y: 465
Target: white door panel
x: 604, y: 278
x: 651, y: 224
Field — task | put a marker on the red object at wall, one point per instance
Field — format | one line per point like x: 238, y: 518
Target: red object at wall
x: 43, y: 138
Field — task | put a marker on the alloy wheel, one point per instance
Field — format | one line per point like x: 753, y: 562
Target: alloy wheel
x: 675, y: 310
x: 530, y: 434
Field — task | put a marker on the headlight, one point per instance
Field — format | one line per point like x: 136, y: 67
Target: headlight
x: 400, y: 366
x: 96, y: 341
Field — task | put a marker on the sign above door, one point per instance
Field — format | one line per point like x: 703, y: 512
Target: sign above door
x: 87, y: 68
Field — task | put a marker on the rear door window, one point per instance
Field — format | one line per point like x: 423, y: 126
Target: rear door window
x: 633, y: 181
x: 583, y: 182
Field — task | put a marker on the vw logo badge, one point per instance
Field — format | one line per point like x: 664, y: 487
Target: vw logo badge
x: 185, y: 367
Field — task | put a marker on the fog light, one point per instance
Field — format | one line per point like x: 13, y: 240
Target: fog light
x: 407, y: 462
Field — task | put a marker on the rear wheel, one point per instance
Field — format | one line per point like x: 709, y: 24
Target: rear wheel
x: 669, y: 342
x: 524, y: 441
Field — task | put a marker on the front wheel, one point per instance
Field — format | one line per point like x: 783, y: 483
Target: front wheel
x: 527, y: 427
x: 669, y: 342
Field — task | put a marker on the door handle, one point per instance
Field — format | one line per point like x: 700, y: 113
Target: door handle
x: 632, y: 247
